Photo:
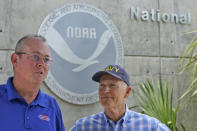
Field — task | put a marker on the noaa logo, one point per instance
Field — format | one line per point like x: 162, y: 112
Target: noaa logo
x: 83, y: 40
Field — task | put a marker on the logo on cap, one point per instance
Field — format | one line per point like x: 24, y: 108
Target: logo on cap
x: 111, y: 68
x: 82, y: 40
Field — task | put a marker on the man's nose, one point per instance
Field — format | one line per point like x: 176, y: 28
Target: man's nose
x: 107, y: 89
x: 40, y: 62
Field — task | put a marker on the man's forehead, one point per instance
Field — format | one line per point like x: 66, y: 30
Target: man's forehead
x: 36, y: 45
x: 112, y: 79
x: 33, y: 41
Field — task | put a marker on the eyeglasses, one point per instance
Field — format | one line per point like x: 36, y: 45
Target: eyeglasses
x: 103, y: 87
x: 36, y: 57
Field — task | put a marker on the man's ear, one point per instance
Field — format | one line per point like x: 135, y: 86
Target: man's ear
x: 14, y: 59
x: 128, y: 91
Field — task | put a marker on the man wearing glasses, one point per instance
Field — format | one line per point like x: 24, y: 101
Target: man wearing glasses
x: 22, y: 104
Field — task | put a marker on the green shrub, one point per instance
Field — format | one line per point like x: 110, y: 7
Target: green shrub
x: 157, y: 101
x: 189, y: 60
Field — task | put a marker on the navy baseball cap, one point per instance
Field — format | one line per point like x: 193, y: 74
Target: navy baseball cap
x: 115, y: 71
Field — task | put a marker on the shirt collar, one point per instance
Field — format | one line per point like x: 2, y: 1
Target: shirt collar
x: 41, y: 100
x: 12, y: 94
x: 124, y: 118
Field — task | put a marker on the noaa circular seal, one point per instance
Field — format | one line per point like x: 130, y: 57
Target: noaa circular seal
x: 82, y: 40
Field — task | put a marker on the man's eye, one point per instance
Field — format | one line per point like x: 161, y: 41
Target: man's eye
x: 46, y: 60
x: 36, y: 57
x: 101, y: 86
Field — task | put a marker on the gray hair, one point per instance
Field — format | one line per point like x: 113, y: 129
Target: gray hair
x: 20, y: 42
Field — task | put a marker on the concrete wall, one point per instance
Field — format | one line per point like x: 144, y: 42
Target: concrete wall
x: 150, y: 48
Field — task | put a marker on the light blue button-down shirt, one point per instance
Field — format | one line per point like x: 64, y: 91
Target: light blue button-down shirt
x: 131, y: 121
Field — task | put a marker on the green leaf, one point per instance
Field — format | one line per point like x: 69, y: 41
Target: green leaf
x: 157, y: 101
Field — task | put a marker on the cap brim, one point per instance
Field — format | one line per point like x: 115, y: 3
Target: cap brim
x: 97, y: 76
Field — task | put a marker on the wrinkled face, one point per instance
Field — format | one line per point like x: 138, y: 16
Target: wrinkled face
x: 30, y: 66
x: 112, y: 92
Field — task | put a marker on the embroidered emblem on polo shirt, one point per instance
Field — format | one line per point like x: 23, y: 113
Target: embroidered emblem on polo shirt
x: 44, y: 117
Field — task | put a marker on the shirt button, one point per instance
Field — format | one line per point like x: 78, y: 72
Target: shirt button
x: 28, y: 118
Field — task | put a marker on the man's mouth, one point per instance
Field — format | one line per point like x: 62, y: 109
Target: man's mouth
x: 106, y: 97
x: 40, y: 72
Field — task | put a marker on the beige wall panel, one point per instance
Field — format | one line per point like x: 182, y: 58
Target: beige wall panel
x: 141, y: 68
x: 5, y: 24
x: 27, y: 16
x: 139, y: 37
x: 5, y: 66
x: 173, y: 39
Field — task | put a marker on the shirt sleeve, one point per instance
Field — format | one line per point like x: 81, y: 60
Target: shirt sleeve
x: 59, y: 120
x: 76, y: 126
x: 73, y: 128
x: 162, y: 127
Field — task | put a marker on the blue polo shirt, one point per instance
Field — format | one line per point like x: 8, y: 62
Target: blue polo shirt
x: 43, y: 114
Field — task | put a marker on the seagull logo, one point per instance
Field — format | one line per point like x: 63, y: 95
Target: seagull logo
x: 61, y: 47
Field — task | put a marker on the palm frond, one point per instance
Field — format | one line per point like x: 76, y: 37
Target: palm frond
x: 189, y: 60
x: 157, y: 101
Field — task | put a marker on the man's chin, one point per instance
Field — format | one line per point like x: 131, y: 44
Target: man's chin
x: 106, y: 103
x: 39, y: 80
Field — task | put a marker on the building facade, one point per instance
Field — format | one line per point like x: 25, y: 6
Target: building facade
x: 152, y: 34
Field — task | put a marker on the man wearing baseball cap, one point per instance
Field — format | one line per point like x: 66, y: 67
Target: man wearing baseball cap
x: 114, y: 89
